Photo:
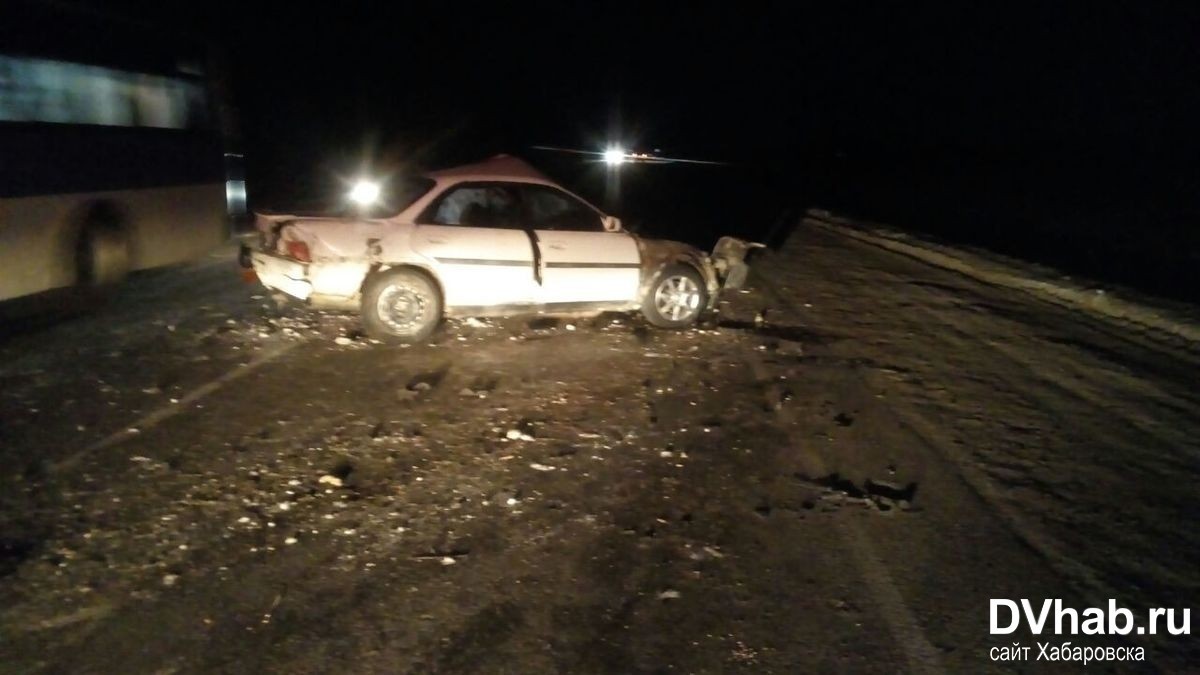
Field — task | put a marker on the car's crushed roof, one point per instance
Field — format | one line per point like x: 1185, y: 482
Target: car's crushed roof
x: 500, y: 167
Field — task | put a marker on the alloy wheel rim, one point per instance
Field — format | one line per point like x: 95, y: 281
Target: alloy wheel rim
x: 677, y: 298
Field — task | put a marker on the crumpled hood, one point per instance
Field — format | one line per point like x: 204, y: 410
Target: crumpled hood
x: 658, y: 253
x: 725, y: 267
x: 664, y: 249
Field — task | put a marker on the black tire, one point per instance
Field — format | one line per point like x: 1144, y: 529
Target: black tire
x: 245, y: 257
x: 676, y: 298
x: 401, y: 305
x: 102, y: 255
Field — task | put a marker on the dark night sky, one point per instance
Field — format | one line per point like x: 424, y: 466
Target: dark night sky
x: 718, y: 79
x: 820, y: 96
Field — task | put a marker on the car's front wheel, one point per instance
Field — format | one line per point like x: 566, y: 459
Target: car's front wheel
x: 401, y: 305
x: 676, y: 298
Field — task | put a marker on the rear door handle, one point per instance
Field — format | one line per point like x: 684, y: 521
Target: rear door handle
x: 434, y: 240
x: 556, y: 247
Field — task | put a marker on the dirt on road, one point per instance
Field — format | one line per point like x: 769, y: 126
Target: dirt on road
x: 835, y: 474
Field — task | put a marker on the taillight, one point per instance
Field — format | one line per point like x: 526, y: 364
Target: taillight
x: 299, y: 251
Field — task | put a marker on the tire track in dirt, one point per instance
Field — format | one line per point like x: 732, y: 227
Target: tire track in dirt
x: 1085, y: 579
x: 977, y: 479
x: 1116, y: 311
x: 181, y: 405
x: 906, y: 631
x: 1144, y: 426
x: 1166, y: 458
x: 1086, y: 329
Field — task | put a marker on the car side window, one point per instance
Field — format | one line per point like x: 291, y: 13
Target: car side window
x: 551, y: 209
x: 478, y: 205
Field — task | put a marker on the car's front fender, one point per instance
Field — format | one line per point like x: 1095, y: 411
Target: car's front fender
x: 658, y: 253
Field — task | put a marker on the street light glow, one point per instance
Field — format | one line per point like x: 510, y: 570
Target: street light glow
x: 365, y: 192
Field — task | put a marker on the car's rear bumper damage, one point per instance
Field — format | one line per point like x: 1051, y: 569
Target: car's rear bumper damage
x: 282, y: 274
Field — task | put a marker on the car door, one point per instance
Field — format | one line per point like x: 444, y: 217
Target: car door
x: 473, y: 236
x: 580, y: 261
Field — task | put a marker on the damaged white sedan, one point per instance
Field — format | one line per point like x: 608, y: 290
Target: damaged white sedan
x: 488, y: 239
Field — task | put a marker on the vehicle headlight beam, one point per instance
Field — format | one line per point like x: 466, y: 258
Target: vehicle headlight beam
x: 365, y: 192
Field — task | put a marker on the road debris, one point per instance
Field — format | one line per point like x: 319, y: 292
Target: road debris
x: 517, y: 435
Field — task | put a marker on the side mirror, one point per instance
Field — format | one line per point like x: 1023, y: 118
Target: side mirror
x: 612, y: 224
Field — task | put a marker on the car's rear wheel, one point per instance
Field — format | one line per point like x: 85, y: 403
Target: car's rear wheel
x: 676, y: 298
x: 401, y: 305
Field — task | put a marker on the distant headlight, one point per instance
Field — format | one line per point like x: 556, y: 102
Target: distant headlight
x: 365, y: 192
x: 614, y: 156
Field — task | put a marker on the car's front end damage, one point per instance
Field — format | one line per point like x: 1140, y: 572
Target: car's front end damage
x: 725, y: 268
